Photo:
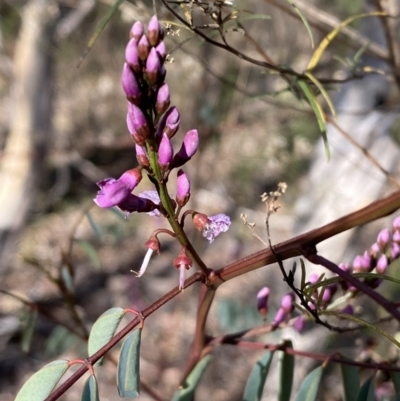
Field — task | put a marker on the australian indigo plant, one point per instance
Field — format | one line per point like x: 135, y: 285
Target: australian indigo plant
x: 152, y: 124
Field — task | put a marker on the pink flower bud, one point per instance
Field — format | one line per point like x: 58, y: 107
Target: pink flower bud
x: 132, y: 55
x: 383, y: 239
x: 287, y: 303
x: 143, y: 48
x: 188, y: 148
x: 394, y: 251
x: 374, y: 250
x: 165, y: 152
x: 130, y: 85
x: 163, y: 99
x: 137, y: 123
x: 262, y: 301
x: 141, y: 156
x: 280, y: 317
x: 153, y: 67
x: 298, y: 324
x: 396, y: 236
x: 137, y: 31
x: 172, y: 122
x: 396, y: 223
x: 182, y: 189
x: 162, y: 50
x: 348, y: 310
x: 382, y: 264
x: 153, y: 30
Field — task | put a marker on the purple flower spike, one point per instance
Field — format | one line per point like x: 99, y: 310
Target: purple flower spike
x: 216, y: 225
x: 130, y: 85
x: 188, y: 148
x: 287, y: 302
x: 165, y: 152
x: 182, y: 188
x: 396, y: 223
x: 383, y: 239
x: 132, y: 55
x: 153, y: 67
x: 262, y: 301
x: 172, y: 122
x: 280, y: 317
x: 382, y: 264
x: 162, y: 50
x: 153, y: 30
x: 137, y: 31
x: 141, y: 156
x: 143, y: 48
x: 163, y: 99
x: 137, y: 123
x: 114, y: 192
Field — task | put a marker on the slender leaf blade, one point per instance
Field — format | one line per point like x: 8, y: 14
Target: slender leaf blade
x: 28, y: 321
x: 286, y: 373
x: 41, y: 384
x: 104, y: 329
x: 367, y: 390
x: 324, y: 93
x: 128, y: 377
x: 304, y: 20
x: 256, y: 381
x: 309, y: 388
x: 186, y: 393
x: 90, y: 390
x: 351, y: 381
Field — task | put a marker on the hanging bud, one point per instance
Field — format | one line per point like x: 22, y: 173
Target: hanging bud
x: 163, y: 99
x: 130, y: 85
x: 383, y: 239
x: 137, y: 31
x: 137, y: 121
x: 132, y: 56
x: 143, y: 48
x: 141, y: 156
x: 153, y: 67
x: 280, y: 317
x: 200, y: 221
x: 262, y: 301
x: 153, y: 243
x: 153, y: 31
x: 182, y: 189
x: 287, y: 303
x: 165, y: 153
x: 182, y: 262
x: 188, y: 148
x: 172, y: 122
x: 162, y: 50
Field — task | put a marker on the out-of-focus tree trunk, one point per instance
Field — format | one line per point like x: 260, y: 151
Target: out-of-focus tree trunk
x: 30, y: 120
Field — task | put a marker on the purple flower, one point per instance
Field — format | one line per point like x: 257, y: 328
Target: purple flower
x: 298, y: 324
x: 114, y: 192
x: 132, y: 55
x: 182, y: 188
x: 154, y: 197
x: 262, y: 301
x: 394, y: 251
x: 163, y: 99
x: 153, y: 66
x: 382, y: 264
x: 141, y: 156
x: 161, y: 50
x: 396, y: 236
x: 153, y: 30
x: 215, y: 226
x: 143, y: 48
x: 374, y: 250
x: 165, y: 152
x: 396, y: 223
x: 383, y: 239
x: 280, y: 317
x: 287, y: 302
x: 348, y: 310
x: 137, y: 124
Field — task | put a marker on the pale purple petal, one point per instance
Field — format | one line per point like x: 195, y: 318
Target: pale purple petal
x: 216, y: 225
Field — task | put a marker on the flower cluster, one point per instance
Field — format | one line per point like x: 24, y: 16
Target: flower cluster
x: 152, y: 123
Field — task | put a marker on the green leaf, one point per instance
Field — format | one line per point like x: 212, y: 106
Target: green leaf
x: 90, y: 390
x: 41, y: 384
x: 303, y: 274
x: 186, y: 393
x: 305, y: 22
x: 367, y: 390
x: 351, y: 381
x: 128, y: 377
x: 324, y: 93
x: 396, y: 381
x: 91, y: 253
x: 328, y: 38
x: 286, y: 372
x: 67, y: 279
x: 28, y: 320
x: 258, y: 376
x: 104, y: 329
x: 100, y: 28
x: 309, y: 388
x: 317, y: 109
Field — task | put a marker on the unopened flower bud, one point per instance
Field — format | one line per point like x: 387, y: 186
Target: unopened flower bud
x: 153, y: 31
x: 162, y: 50
x: 396, y: 236
x: 182, y: 189
x: 348, y: 310
x: 130, y: 85
x: 383, y: 239
x: 394, y: 251
x: 137, y: 124
x: 298, y: 324
x: 382, y: 264
x: 200, y: 221
x: 374, y: 250
x: 153, y: 67
x: 358, y: 264
x: 137, y: 31
x: 143, y: 48
x: 262, y: 301
x: 287, y: 302
x: 141, y: 156
x: 327, y: 295
x: 280, y: 317
x: 153, y: 243
x: 188, y: 148
x: 346, y: 268
x: 163, y: 99
x: 132, y: 56
x: 172, y: 122
x: 165, y: 152
x: 396, y: 223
